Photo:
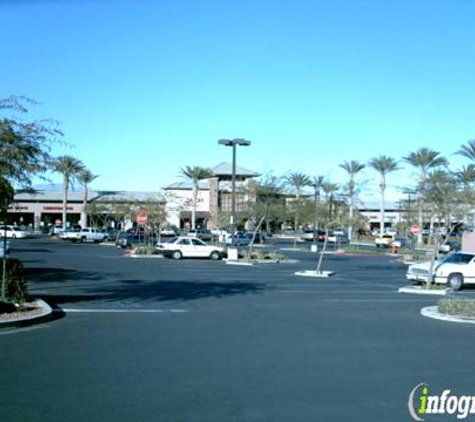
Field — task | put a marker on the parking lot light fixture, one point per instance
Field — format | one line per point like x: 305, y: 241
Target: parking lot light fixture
x: 233, y: 143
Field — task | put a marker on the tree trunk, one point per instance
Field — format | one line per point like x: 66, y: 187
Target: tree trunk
x: 193, y: 210
x: 383, y: 206
x: 65, y: 200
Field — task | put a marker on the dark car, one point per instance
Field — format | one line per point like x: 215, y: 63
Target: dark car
x: 126, y: 240
x: 259, y: 238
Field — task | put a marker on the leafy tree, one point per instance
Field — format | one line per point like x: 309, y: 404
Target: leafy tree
x: 195, y: 174
x: 352, y: 168
x: 70, y: 168
x: 383, y: 164
x: 424, y: 159
x: 268, y: 204
x: 465, y: 179
x: 24, y: 145
x: 297, y: 182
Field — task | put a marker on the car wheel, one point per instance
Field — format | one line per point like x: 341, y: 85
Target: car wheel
x: 215, y: 256
x: 83, y: 240
x: 455, y: 281
x: 13, y: 236
x: 176, y: 255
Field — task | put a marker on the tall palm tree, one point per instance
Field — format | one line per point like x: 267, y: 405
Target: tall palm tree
x: 383, y: 165
x: 353, y: 167
x: 69, y: 167
x: 329, y: 189
x: 465, y: 178
x: 317, y: 182
x: 297, y: 181
x: 85, y: 177
x: 195, y: 174
x: 424, y: 159
x: 468, y: 150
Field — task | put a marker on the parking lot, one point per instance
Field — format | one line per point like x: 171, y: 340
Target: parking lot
x: 197, y: 340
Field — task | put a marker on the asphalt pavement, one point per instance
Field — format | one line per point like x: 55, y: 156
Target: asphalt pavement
x: 196, y: 340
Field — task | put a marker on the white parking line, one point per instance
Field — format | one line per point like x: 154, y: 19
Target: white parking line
x: 122, y: 311
x: 339, y: 291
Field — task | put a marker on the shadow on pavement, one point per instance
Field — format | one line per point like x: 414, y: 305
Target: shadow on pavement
x: 51, y: 274
x: 162, y: 291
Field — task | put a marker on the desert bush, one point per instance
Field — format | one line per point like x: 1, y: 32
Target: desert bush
x: 15, y: 284
x: 462, y: 307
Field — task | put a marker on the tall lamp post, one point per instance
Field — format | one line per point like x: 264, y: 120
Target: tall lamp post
x: 233, y: 143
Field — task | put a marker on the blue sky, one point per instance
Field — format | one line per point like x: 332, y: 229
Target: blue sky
x: 143, y: 88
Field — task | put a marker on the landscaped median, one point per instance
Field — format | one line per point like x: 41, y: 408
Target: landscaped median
x: 16, y: 309
x: 258, y: 257
x: 452, y: 310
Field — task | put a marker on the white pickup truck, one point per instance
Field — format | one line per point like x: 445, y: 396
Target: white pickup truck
x: 455, y: 270
x: 86, y: 234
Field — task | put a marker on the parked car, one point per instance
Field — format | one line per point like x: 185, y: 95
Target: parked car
x: 126, y: 240
x: 14, y: 232
x: 455, y: 270
x: 450, y: 246
x: 186, y: 247
x: 239, y: 239
x: 383, y: 241
x: 90, y: 234
x: 258, y: 238
x: 400, y: 242
x: 309, y: 235
x: 200, y: 234
x: 338, y: 238
x: 167, y: 232
x: 56, y: 230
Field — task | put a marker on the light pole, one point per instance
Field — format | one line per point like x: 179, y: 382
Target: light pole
x: 233, y: 143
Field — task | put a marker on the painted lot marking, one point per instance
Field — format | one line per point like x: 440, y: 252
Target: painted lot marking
x: 122, y: 311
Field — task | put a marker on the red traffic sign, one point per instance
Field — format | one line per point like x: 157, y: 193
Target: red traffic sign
x: 141, y: 219
x: 415, y: 230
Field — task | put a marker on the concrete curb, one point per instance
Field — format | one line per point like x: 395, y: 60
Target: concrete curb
x: 45, y: 315
x: 418, y: 290
x: 314, y: 274
x: 432, y: 312
x: 138, y: 256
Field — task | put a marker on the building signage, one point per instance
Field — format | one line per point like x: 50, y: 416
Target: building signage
x: 56, y: 208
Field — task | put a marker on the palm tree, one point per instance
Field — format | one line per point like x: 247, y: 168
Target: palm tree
x: 195, y: 174
x: 424, y: 159
x: 468, y: 150
x: 70, y: 168
x: 317, y: 182
x: 353, y: 168
x: 466, y: 178
x: 383, y: 165
x: 297, y: 181
x: 85, y: 177
x: 329, y: 189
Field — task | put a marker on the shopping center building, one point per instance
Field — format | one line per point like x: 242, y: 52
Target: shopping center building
x: 44, y: 207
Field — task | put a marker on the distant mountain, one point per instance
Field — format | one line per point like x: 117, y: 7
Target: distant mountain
x: 55, y: 187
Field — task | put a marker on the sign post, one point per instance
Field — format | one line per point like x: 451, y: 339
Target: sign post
x: 415, y: 230
x: 141, y: 219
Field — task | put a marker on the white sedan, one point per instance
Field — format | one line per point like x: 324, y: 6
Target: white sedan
x: 13, y: 232
x: 186, y: 247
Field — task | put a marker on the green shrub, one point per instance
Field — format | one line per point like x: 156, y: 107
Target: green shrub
x: 462, y: 307
x: 143, y: 249
x: 15, y: 284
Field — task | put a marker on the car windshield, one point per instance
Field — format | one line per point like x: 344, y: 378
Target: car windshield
x: 458, y: 258
x: 172, y: 240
